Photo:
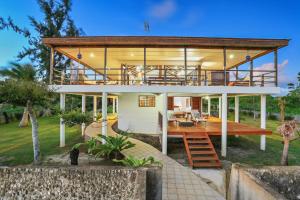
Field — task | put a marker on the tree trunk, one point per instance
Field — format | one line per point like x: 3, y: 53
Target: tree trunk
x: 285, y: 152
x: 35, y: 135
x: 24, y: 120
x: 282, y: 109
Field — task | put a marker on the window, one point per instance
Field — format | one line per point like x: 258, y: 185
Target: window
x: 147, y: 101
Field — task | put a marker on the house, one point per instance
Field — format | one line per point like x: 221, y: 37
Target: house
x: 158, y: 84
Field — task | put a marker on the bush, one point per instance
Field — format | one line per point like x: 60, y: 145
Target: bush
x: 76, y: 117
x: 272, y: 117
x: 131, y: 161
x: 288, y: 118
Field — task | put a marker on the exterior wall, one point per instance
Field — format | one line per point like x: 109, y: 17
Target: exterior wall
x: 137, y: 119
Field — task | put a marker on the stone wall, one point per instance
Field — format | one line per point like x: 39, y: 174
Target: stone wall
x: 72, y: 183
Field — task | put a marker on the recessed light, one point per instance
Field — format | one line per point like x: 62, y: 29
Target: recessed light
x: 92, y: 55
x: 231, y: 56
x: 132, y: 54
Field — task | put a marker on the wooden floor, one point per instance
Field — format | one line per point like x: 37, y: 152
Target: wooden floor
x: 213, y: 128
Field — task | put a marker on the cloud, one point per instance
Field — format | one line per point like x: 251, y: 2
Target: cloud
x: 163, y: 10
x: 282, y: 77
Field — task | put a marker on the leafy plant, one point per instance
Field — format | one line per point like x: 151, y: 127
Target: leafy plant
x: 76, y: 117
x: 110, y: 149
x: 131, y: 161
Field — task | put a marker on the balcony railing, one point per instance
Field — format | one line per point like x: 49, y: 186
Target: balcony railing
x: 166, y: 75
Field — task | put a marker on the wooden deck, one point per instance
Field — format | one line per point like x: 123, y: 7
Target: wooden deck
x: 213, y: 127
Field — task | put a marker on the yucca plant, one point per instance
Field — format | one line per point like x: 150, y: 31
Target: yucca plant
x: 131, y: 161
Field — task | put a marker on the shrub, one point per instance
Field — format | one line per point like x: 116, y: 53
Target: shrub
x: 76, y: 117
x: 131, y: 161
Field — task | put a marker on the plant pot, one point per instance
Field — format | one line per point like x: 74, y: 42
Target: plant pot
x: 74, y: 154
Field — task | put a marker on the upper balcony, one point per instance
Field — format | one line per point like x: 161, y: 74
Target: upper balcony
x: 165, y: 61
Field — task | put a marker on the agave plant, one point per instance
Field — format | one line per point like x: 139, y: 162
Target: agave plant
x: 131, y: 161
x: 111, y: 149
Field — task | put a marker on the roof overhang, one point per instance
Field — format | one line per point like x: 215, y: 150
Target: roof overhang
x: 165, y: 41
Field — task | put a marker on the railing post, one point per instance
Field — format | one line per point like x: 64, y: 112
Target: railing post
x: 51, y: 65
x: 251, y: 73
x: 276, y: 66
x: 105, y: 63
x: 237, y: 73
x: 205, y: 77
x: 225, y: 60
x: 199, y: 75
x: 145, y: 65
x: 185, y: 66
x: 165, y: 74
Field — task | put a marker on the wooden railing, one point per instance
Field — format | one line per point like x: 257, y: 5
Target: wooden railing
x: 166, y: 75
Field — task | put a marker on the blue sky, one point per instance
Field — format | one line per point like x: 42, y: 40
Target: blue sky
x: 219, y: 18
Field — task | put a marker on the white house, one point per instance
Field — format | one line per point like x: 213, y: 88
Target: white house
x: 158, y: 82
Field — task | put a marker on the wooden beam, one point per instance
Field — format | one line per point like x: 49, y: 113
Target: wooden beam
x: 276, y: 66
x: 145, y: 66
x: 225, y: 63
x: 51, y: 65
x: 105, y: 66
x: 251, y: 73
x: 185, y: 66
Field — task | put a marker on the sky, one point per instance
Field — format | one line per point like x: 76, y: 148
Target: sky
x: 213, y: 18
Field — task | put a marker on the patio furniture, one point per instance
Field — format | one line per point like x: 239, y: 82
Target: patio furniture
x: 185, y: 122
x: 196, y: 117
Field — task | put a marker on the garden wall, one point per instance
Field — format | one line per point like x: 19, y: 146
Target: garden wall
x: 74, y: 183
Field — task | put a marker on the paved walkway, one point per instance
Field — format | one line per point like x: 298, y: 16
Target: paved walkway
x: 179, y: 182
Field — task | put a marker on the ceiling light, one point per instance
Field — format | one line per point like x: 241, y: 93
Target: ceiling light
x: 132, y: 54
x: 92, y: 55
x: 79, y: 56
x: 231, y: 56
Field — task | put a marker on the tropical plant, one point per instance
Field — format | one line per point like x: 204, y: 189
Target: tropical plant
x: 110, y: 149
x: 76, y: 117
x: 25, y: 72
x: 56, y: 22
x: 131, y: 161
x: 287, y: 130
x: 27, y: 94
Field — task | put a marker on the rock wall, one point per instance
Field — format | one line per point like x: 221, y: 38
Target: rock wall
x: 107, y: 183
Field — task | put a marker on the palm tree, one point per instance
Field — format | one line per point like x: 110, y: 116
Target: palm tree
x: 24, y: 72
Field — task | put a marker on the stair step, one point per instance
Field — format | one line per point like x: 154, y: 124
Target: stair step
x: 196, y: 136
x: 207, y: 164
x: 200, y: 147
x: 203, y: 152
x: 204, y: 158
x: 198, y: 141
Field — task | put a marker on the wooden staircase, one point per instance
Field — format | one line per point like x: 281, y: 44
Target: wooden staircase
x: 200, y: 151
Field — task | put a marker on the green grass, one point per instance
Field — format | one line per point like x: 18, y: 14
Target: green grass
x: 16, y: 143
x: 246, y: 148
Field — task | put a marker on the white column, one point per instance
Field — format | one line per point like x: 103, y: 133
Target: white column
x: 220, y: 107
x: 95, y: 107
x: 62, y: 124
x: 83, y: 98
x: 114, y: 105
x: 263, y: 121
x: 224, y: 125
x: 165, y: 124
x: 208, y: 105
x: 237, y: 109
x: 117, y: 104
x: 104, y: 114
x: 201, y: 104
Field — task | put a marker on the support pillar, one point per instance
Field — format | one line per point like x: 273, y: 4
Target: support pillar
x: 114, y: 105
x: 83, y: 100
x: 165, y: 124
x: 263, y: 121
x: 62, y: 124
x: 201, y: 105
x: 208, y: 105
x: 220, y: 107
x: 117, y: 104
x: 237, y: 109
x: 104, y: 115
x: 224, y: 125
x: 95, y: 108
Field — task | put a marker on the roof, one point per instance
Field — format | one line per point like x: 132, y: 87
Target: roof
x: 166, y: 41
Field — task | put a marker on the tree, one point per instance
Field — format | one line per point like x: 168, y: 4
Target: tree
x: 56, y: 22
x: 281, y: 105
x: 25, y: 72
x: 27, y: 94
x: 291, y: 86
x: 287, y: 130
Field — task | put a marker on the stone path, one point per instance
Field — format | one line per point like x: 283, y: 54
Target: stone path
x: 179, y: 182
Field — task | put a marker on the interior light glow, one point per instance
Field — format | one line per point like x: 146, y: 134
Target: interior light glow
x: 231, y: 56
x: 92, y: 55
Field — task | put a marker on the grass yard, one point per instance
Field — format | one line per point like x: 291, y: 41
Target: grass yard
x: 245, y: 149
x: 16, y: 143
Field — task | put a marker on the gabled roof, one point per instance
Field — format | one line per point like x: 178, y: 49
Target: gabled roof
x: 166, y: 41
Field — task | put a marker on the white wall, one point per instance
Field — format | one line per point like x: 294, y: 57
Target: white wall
x: 133, y: 118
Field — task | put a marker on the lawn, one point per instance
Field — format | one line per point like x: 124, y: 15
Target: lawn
x: 245, y: 149
x: 16, y: 143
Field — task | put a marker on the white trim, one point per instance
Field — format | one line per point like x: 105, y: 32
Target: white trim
x: 220, y: 107
x: 95, y: 108
x: 236, y: 109
x: 104, y: 115
x: 208, y: 105
x: 163, y: 89
x: 165, y: 124
x: 83, y: 109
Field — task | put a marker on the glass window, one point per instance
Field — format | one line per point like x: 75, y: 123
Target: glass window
x: 147, y: 101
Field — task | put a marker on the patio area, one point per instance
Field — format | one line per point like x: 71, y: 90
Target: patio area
x: 179, y: 182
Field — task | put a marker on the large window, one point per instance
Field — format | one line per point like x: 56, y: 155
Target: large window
x: 146, y: 101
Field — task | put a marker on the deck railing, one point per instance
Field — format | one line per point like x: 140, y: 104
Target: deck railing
x: 167, y: 75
